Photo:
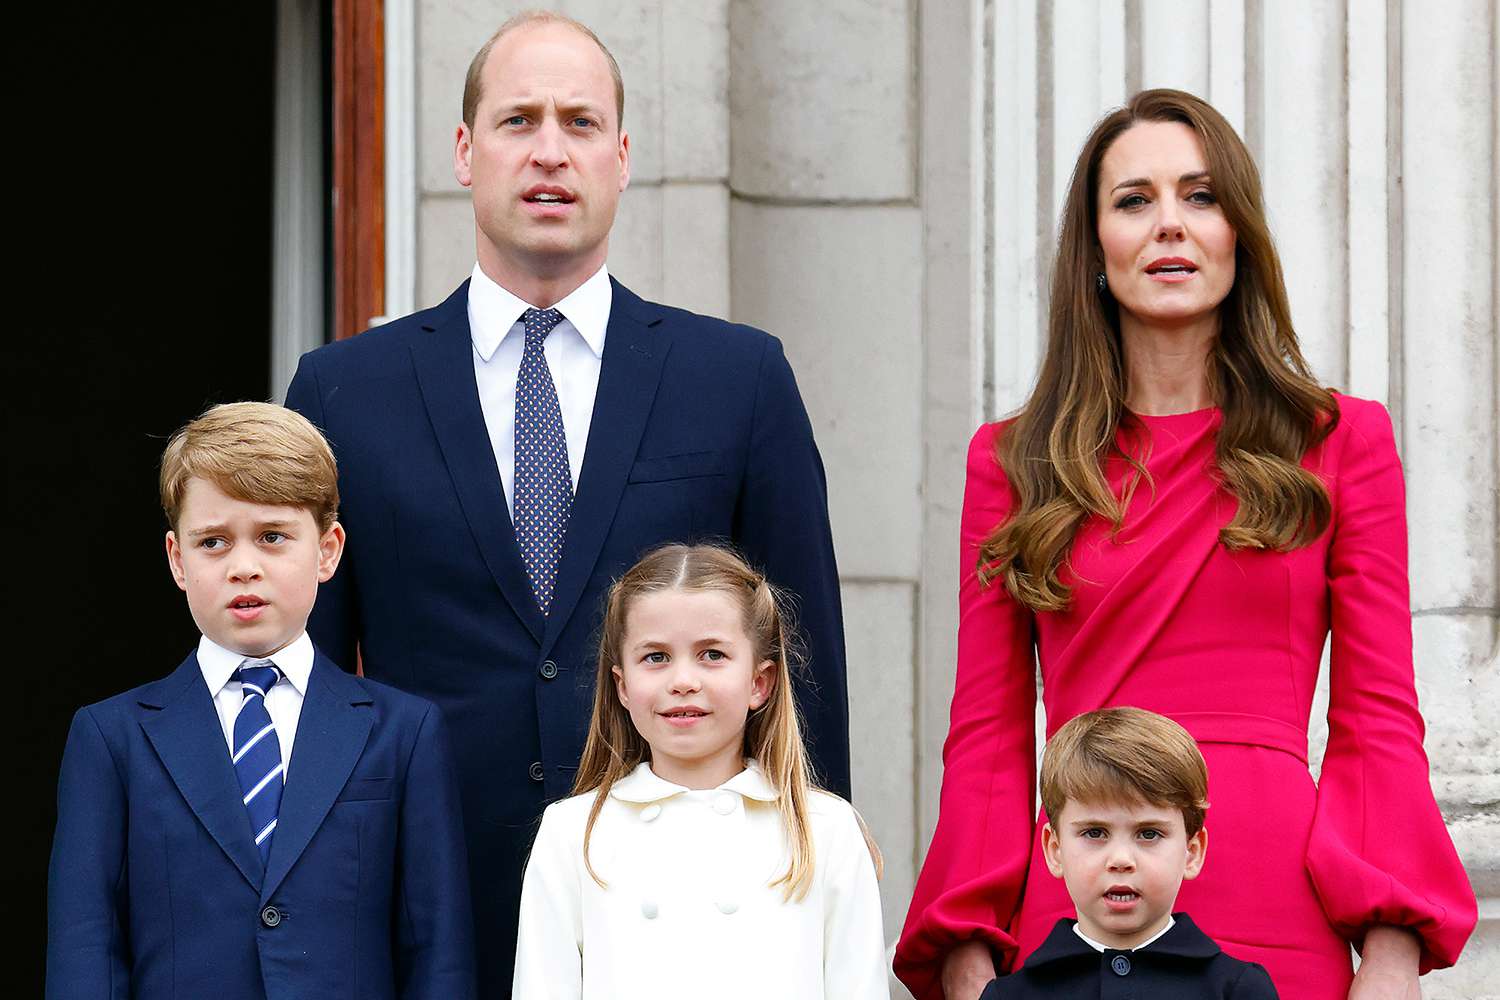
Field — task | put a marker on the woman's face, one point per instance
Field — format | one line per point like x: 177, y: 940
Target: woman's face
x: 1168, y: 250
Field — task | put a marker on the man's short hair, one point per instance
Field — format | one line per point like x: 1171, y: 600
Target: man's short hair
x: 474, y: 84
x: 1125, y: 755
x: 260, y: 453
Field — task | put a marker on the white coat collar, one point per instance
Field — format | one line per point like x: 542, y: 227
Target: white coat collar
x: 642, y: 785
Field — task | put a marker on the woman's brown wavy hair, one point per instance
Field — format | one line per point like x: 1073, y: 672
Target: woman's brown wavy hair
x: 1273, y: 409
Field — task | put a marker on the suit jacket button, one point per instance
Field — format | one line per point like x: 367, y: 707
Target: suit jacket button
x: 1120, y: 965
x: 270, y: 916
x: 537, y: 772
x: 548, y: 669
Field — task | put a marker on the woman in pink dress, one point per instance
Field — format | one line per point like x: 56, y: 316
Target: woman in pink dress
x: 1176, y: 519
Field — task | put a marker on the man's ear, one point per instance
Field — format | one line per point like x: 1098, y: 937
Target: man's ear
x: 624, y: 159
x: 463, y: 151
x: 1052, y: 850
x: 1197, y: 850
x: 174, y: 561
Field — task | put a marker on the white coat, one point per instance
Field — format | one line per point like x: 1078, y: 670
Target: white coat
x: 688, y: 911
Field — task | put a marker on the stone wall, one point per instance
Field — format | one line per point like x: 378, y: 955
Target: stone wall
x: 876, y: 182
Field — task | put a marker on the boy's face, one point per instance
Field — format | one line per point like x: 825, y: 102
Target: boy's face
x: 251, y: 571
x: 1123, y: 864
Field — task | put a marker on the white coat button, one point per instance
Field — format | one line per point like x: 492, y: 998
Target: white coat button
x: 727, y: 906
x: 724, y: 803
x: 650, y: 812
x: 648, y: 909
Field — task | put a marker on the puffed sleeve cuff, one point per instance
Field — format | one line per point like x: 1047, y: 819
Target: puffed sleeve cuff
x: 965, y: 912
x: 1358, y: 895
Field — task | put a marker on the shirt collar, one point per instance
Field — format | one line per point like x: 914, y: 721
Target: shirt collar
x: 1182, y: 939
x: 643, y: 785
x: 219, y: 664
x: 1100, y: 946
x: 494, y: 311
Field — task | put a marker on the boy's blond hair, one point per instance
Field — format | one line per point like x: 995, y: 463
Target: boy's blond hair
x: 1124, y: 755
x: 256, y: 452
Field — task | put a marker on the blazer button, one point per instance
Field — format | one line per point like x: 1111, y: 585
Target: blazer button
x: 270, y: 916
x: 724, y: 803
x: 1120, y: 965
x: 548, y: 670
x: 537, y: 772
x: 650, y: 813
x: 648, y: 909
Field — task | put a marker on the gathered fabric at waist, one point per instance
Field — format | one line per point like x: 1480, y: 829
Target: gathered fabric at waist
x: 1244, y: 728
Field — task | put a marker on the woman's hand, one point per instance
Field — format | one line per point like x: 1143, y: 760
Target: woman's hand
x: 1387, y: 966
x: 968, y: 969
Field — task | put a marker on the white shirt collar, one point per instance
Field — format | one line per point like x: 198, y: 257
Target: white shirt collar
x: 494, y: 311
x: 1099, y: 947
x: 643, y: 785
x: 219, y: 664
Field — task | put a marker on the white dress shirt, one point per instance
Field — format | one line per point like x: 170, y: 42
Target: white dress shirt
x: 573, y: 351
x: 283, y: 701
x: 689, y: 911
x: 1097, y: 946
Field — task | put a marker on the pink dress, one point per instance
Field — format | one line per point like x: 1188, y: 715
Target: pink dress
x: 1228, y: 644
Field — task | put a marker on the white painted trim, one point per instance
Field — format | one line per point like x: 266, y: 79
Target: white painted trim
x: 400, y: 159
x: 297, y: 228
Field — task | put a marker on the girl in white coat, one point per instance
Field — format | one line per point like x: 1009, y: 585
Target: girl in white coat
x: 696, y: 859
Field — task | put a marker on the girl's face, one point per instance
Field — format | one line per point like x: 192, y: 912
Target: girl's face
x: 1168, y: 250
x: 689, y: 680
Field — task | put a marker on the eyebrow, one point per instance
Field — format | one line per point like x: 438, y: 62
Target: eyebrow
x: 1188, y: 178
x: 219, y: 529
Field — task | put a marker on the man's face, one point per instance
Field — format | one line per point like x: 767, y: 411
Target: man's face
x: 546, y: 159
x: 1123, y: 864
x: 251, y: 571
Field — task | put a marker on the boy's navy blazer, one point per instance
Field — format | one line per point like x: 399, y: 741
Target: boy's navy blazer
x: 156, y: 888
x: 698, y: 432
x: 1182, y: 964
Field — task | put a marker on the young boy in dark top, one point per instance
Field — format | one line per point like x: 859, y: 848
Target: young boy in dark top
x: 1125, y: 792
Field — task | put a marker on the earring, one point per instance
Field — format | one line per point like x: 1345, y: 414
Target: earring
x: 1100, y: 282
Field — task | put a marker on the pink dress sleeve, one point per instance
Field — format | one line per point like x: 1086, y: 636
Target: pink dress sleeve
x: 1379, y: 852
x: 971, y: 881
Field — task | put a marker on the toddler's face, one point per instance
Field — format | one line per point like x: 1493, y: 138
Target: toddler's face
x: 689, y: 680
x: 251, y: 571
x: 1123, y: 864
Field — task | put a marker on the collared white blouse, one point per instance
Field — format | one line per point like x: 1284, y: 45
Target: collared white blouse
x: 688, y: 910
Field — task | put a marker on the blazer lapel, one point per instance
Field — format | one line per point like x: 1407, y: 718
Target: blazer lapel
x: 187, y: 737
x: 629, y: 371
x: 445, y: 372
x: 331, y: 733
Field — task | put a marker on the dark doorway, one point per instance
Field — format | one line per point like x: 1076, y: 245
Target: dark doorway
x: 152, y: 300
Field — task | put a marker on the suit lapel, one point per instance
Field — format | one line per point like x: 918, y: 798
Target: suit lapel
x: 331, y: 733
x: 445, y: 372
x: 629, y: 371
x: 187, y: 737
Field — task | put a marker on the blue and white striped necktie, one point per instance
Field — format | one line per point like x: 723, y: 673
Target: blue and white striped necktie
x: 257, y: 752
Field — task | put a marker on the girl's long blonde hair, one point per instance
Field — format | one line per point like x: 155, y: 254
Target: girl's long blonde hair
x: 773, y: 736
x: 1274, y: 410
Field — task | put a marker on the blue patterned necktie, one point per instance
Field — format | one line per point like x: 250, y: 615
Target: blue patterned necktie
x: 257, y: 752
x: 544, y: 484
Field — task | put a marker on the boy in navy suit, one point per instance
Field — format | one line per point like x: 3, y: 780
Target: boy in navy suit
x: 258, y: 824
x: 1125, y: 792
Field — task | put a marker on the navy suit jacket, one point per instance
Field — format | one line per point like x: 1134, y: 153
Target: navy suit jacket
x: 1182, y: 964
x: 156, y: 888
x: 698, y: 433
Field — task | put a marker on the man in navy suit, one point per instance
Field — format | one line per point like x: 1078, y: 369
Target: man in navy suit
x: 258, y: 825
x: 507, y: 453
